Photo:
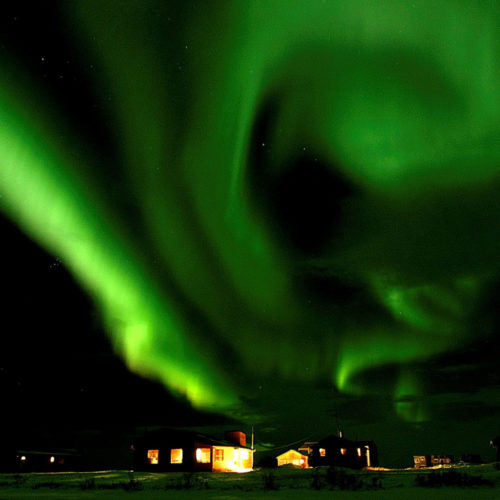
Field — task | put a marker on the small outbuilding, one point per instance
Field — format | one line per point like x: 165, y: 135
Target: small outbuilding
x: 420, y: 461
x: 471, y: 458
x: 294, y: 458
x: 47, y: 460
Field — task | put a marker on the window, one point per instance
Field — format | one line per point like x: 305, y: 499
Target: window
x: 219, y: 455
x: 322, y: 452
x: 244, y: 454
x: 203, y: 455
x: 153, y: 456
x: 52, y: 460
x: 359, y: 452
x: 176, y: 456
x: 343, y: 451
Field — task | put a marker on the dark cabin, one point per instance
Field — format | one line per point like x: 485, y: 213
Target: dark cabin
x: 471, y: 458
x: 338, y: 451
x: 47, y: 460
x: 181, y: 450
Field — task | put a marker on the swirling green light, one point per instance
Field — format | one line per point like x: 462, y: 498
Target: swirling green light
x: 398, y: 98
x: 62, y: 212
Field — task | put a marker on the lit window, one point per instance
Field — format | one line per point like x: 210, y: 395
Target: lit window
x: 244, y: 454
x: 153, y: 456
x: 203, y: 455
x: 23, y: 458
x: 322, y: 452
x: 52, y: 460
x: 301, y: 461
x: 359, y: 452
x: 176, y: 456
x: 343, y: 451
x: 219, y: 455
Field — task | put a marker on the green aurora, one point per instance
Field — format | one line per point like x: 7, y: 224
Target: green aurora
x: 196, y: 282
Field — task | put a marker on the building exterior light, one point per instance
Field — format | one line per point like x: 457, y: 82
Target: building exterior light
x: 368, y: 458
x: 52, y: 460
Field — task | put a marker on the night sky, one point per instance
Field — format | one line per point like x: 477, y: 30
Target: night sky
x: 280, y: 214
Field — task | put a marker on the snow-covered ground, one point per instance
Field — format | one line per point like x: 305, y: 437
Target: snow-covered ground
x: 481, y: 482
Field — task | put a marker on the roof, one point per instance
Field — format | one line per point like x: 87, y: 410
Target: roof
x: 341, y: 441
x: 169, y: 435
x: 308, y: 444
x: 50, y: 452
x: 292, y: 452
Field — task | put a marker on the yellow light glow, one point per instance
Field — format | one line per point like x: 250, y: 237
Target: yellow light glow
x: 203, y: 455
x: 52, y: 460
x: 343, y: 451
x: 23, y: 458
x: 153, y: 457
x: 176, y: 456
x: 240, y: 470
x: 232, y: 459
x: 322, y: 452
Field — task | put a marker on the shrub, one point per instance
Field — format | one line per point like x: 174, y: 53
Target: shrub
x: 47, y: 484
x: 188, y: 481
x: 269, y: 481
x: 376, y: 483
x: 340, y: 479
x: 19, y: 480
x: 451, y: 478
x: 132, y: 484
x: 87, y: 484
x: 317, y: 481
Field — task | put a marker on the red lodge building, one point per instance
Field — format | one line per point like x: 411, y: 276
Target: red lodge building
x: 181, y: 450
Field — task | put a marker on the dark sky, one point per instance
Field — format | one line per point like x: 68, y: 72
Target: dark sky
x: 284, y: 217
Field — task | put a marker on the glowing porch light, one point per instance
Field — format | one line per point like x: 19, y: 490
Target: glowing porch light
x: 368, y: 459
x: 52, y: 460
x: 23, y: 458
x: 359, y: 452
x: 322, y: 452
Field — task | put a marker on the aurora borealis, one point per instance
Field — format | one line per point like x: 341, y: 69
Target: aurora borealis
x: 279, y: 197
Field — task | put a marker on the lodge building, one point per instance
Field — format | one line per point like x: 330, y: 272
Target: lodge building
x: 181, y: 450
